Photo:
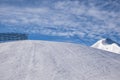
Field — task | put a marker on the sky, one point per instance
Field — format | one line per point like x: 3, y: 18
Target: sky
x: 78, y: 21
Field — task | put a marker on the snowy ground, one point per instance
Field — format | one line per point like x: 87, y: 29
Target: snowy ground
x: 43, y: 60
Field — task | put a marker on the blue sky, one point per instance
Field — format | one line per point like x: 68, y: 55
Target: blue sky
x: 78, y: 21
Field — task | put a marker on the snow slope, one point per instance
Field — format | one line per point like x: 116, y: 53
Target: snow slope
x: 108, y: 45
x: 43, y: 60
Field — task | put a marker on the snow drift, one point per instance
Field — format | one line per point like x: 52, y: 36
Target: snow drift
x: 43, y: 60
x: 108, y: 45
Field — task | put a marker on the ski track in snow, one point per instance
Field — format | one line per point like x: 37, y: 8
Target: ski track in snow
x: 44, y: 60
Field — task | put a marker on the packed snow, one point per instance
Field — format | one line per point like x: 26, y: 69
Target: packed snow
x: 108, y: 45
x: 44, y: 60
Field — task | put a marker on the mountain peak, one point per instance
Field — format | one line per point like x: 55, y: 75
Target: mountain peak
x: 108, y: 45
x: 109, y: 41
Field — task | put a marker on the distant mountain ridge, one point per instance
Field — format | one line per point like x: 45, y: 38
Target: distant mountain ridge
x: 108, y: 45
x: 7, y: 37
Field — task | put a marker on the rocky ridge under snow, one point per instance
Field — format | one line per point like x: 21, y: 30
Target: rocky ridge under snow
x: 108, y: 45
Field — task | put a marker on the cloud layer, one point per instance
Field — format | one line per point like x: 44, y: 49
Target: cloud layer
x: 86, y: 19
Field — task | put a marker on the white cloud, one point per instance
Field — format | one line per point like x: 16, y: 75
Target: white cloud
x: 69, y: 18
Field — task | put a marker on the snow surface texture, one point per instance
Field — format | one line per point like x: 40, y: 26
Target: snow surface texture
x: 43, y: 60
x: 108, y: 45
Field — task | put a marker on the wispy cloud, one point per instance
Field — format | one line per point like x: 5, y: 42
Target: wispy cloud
x: 65, y: 18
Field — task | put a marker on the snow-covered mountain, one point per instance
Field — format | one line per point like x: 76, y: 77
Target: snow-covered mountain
x: 108, y: 45
x: 43, y: 60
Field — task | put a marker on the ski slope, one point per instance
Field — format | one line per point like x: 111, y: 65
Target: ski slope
x: 108, y: 45
x: 44, y: 60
